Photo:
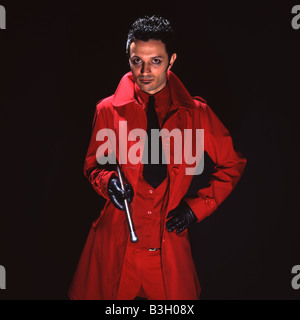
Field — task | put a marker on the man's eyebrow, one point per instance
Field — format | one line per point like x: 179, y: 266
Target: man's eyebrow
x: 156, y: 57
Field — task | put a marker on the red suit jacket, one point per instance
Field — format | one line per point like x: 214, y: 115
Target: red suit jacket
x: 100, y: 266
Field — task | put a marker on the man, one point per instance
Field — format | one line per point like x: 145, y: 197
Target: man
x: 160, y: 264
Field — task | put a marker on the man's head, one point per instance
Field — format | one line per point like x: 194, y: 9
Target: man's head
x: 151, y: 52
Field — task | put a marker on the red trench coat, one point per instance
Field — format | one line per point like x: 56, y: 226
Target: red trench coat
x: 99, y: 270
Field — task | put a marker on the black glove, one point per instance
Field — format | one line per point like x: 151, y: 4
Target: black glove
x: 117, y: 195
x: 182, y: 217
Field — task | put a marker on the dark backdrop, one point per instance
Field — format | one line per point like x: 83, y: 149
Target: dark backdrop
x: 58, y: 58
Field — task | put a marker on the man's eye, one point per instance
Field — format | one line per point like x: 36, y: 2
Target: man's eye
x: 156, y: 61
x: 136, y: 61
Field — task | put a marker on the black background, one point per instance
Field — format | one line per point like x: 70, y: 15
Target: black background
x: 59, y: 58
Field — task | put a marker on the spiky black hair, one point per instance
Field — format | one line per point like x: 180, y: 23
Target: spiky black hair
x: 154, y: 27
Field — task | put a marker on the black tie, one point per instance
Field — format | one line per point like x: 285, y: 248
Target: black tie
x: 154, y: 174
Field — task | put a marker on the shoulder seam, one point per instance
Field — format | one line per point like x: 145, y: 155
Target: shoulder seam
x: 200, y: 102
x: 200, y: 99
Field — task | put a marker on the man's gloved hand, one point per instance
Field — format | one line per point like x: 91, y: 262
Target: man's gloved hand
x: 117, y: 195
x: 182, y: 218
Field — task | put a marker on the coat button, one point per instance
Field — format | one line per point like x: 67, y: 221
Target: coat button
x: 150, y: 191
x: 210, y: 202
x: 149, y: 212
x: 175, y: 171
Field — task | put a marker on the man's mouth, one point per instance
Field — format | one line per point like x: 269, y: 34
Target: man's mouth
x: 146, y: 81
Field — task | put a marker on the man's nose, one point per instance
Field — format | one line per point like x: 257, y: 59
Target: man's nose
x: 145, y: 68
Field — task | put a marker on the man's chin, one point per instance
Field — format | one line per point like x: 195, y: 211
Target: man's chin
x: 146, y: 87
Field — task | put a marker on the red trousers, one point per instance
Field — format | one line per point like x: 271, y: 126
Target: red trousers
x: 141, y: 275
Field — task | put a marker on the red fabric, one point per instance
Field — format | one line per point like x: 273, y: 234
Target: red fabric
x: 148, y: 210
x: 100, y: 267
x: 150, y: 204
x: 141, y: 275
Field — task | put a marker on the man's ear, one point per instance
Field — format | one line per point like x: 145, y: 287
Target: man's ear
x: 172, y: 60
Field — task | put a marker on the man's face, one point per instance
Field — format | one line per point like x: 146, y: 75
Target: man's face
x: 149, y: 64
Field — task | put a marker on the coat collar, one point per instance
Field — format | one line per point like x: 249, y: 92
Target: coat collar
x: 124, y: 94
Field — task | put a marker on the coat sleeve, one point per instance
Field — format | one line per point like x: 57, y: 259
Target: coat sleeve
x: 98, y: 175
x: 229, y: 166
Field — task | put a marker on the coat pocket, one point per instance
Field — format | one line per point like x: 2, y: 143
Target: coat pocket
x: 96, y: 222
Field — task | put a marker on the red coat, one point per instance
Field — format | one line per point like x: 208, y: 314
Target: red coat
x: 100, y: 266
